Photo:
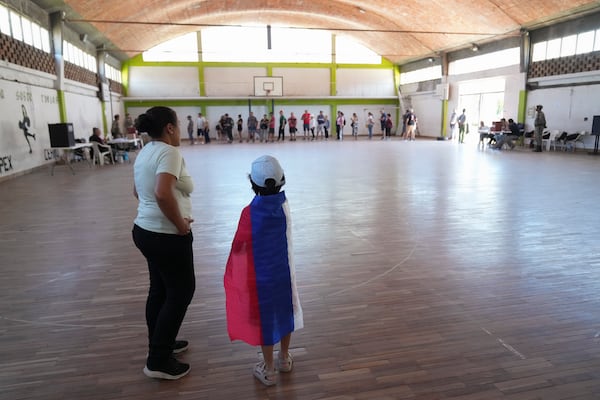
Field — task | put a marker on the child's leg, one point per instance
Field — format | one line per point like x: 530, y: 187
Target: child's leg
x: 285, y: 344
x: 264, y: 371
x: 285, y: 363
x: 268, y: 356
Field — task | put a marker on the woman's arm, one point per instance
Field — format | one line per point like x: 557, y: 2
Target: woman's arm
x: 165, y: 197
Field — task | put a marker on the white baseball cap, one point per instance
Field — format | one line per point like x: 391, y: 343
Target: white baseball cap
x: 267, y: 167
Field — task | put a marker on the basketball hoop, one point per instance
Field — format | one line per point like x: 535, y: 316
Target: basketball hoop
x: 267, y: 92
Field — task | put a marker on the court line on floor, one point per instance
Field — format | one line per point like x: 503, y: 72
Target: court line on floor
x: 505, y: 345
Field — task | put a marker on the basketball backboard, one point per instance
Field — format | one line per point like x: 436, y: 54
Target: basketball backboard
x: 268, y: 86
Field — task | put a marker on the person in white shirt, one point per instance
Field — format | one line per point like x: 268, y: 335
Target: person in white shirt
x: 370, y: 124
x: 162, y: 232
x: 201, y: 127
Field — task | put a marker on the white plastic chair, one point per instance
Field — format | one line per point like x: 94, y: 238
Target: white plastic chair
x: 553, y: 135
x: 560, y: 140
x: 100, y: 155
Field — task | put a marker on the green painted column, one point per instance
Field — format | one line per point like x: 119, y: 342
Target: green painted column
x: 62, y: 106
x: 104, y: 122
x: 444, y: 127
x: 522, y: 110
x: 399, y: 110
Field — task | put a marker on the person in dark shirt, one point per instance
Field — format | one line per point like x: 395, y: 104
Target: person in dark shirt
x: 97, y: 137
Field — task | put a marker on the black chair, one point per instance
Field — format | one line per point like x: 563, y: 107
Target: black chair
x: 528, y: 135
x: 570, y: 141
x: 560, y: 140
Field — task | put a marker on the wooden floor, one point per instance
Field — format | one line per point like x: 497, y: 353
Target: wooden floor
x: 427, y: 270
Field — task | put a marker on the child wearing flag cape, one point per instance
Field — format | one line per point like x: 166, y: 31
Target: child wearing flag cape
x: 262, y: 303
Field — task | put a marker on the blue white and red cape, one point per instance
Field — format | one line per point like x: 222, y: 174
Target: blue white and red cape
x: 262, y: 301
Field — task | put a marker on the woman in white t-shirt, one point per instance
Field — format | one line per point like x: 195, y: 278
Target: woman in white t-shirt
x: 370, y: 124
x: 162, y: 232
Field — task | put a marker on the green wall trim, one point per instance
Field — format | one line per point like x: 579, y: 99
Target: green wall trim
x: 522, y: 110
x: 184, y: 103
x: 138, y: 62
x: 62, y: 107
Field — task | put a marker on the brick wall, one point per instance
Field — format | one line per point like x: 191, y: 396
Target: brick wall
x: 19, y: 53
x: 115, y: 87
x: 79, y: 74
x: 565, y: 65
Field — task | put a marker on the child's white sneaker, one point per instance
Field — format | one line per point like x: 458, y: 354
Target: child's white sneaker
x: 285, y: 363
x: 268, y: 378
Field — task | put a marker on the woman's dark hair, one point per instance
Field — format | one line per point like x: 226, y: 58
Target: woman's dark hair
x: 154, y: 120
x: 265, y: 191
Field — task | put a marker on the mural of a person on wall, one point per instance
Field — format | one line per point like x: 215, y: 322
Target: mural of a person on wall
x: 25, y: 125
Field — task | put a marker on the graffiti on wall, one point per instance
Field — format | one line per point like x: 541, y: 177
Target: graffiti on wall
x: 25, y: 126
x: 5, y: 164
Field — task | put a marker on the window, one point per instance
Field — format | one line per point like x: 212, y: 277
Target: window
x: 112, y: 73
x: 22, y: 28
x: 27, y: 37
x: 539, y: 51
x: 568, y: 46
x: 15, y: 25
x: 251, y: 44
x: 182, y: 48
x: 553, y: 49
x: 67, y: 51
x: 420, y: 75
x: 36, y: 35
x: 298, y: 45
x: 4, y: 21
x: 75, y: 55
x: 79, y: 57
x: 45, y: 40
x: 585, y: 42
x: 347, y: 51
x: 91, y: 63
x: 496, y: 59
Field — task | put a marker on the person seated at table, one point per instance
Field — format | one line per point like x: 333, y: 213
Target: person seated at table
x: 505, y: 137
x: 514, y: 128
x: 97, y: 137
x: 484, y: 132
x: 499, y: 129
x: 79, y: 154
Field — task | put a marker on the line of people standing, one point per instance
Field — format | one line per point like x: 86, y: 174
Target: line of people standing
x: 313, y: 128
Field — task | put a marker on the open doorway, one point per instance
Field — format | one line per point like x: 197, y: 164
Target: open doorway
x: 483, y: 100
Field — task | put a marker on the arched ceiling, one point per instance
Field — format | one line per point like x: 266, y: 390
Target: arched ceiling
x: 399, y: 30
